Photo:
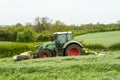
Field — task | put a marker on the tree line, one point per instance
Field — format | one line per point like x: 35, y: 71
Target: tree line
x: 43, y: 28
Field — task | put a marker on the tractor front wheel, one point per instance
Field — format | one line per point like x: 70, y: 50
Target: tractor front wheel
x: 73, y: 50
x: 45, y: 54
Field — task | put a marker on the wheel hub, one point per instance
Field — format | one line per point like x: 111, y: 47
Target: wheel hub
x: 73, y: 52
x: 44, y: 55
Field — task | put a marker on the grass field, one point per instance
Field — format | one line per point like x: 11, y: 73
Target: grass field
x: 92, y: 67
x: 104, y: 38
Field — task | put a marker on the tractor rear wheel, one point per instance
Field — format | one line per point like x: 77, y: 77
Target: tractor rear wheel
x: 73, y: 50
x: 45, y: 54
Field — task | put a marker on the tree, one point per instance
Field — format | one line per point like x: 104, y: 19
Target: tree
x: 59, y: 26
x: 42, y: 24
x: 18, y: 25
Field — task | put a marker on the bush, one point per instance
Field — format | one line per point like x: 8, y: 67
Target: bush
x: 5, y: 35
x: 8, y: 35
x: 14, y: 35
x: 45, y: 36
x: 26, y: 36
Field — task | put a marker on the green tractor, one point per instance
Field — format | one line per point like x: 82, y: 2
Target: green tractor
x: 61, y: 45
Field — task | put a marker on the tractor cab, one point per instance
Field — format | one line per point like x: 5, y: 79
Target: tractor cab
x: 61, y: 38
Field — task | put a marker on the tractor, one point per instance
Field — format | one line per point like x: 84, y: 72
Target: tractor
x: 61, y: 45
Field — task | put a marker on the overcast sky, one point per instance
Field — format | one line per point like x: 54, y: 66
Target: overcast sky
x: 68, y: 11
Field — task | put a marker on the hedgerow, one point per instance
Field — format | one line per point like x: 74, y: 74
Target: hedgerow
x: 94, y: 46
x: 115, y: 46
x: 11, y: 49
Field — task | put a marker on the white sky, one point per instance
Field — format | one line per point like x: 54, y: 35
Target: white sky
x: 68, y: 11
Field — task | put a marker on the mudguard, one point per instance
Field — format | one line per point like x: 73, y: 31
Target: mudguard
x: 72, y: 42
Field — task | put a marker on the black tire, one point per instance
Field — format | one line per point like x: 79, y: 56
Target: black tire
x: 45, y: 54
x: 73, y: 50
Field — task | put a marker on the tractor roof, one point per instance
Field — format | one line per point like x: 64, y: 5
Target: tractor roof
x: 62, y: 32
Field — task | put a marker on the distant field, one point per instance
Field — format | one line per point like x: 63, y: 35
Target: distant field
x: 104, y: 38
x: 90, y: 67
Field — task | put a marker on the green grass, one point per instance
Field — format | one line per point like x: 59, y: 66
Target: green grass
x: 103, y: 38
x: 90, y: 67
x: 5, y: 42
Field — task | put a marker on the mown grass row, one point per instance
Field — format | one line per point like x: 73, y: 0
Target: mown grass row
x: 63, y: 68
